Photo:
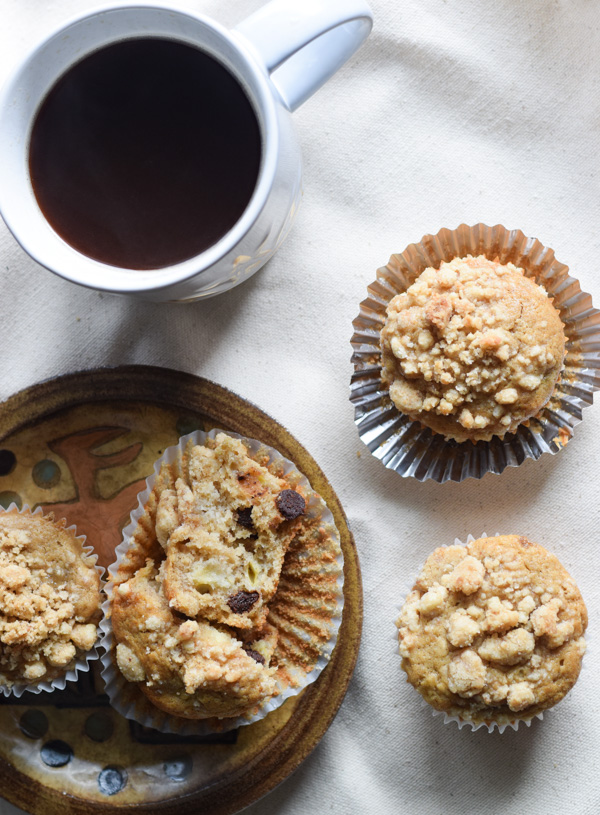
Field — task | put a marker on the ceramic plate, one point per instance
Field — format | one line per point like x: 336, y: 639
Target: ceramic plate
x: 81, y: 446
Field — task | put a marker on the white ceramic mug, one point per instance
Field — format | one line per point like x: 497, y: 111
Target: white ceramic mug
x: 280, y: 55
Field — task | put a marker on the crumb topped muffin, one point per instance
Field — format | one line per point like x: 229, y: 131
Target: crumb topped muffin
x: 225, y: 593
x: 493, y: 631
x: 472, y: 349
x: 49, y: 598
x: 189, y: 668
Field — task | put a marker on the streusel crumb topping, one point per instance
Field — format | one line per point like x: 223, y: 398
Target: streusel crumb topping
x: 493, y: 630
x: 49, y: 598
x: 189, y: 668
x: 229, y: 534
x: 472, y: 349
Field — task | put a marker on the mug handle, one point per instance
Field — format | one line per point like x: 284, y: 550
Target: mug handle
x: 304, y: 42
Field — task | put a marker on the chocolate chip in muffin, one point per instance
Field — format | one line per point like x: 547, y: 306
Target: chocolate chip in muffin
x: 255, y: 655
x: 244, y: 517
x: 242, y: 601
x: 291, y: 504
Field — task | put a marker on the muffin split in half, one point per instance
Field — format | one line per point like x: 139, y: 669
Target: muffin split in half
x: 227, y: 592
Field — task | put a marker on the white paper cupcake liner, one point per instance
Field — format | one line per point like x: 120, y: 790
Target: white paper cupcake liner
x: 452, y: 718
x: 473, y: 727
x: 83, y: 663
x: 128, y: 700
x: 410, y: 449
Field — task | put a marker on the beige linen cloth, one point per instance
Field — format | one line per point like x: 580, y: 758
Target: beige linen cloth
x: 454, y: 111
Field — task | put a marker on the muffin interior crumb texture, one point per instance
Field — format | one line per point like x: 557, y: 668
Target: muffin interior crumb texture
x: 189, y: 668
x: 472, y: 349
x: 226, y: 527
x: 190, y: 622
x: 493, y: 631
x: 49, y: 599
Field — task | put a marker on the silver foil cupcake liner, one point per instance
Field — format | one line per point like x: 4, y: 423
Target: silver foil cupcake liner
x: 409, y: 448
x: 126, y: 697
x: 458, y: 720
x: 83, y: 663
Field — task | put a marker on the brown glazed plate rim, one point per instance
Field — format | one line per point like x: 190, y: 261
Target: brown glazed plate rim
x: 320, y: 702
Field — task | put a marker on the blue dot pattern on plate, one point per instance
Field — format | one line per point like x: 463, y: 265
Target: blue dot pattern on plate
x: 111, y: 780
x: 178, y: 769
x: 33, y: 724
x: 56, y: 753
x: 46, y: 474
x: 98, y: 727
x: 8, y: 462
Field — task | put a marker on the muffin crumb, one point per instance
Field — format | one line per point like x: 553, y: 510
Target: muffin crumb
x: 225, y: 528
x: 189, y: 608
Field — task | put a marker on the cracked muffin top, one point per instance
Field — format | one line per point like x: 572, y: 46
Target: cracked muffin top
x: 49, y: 598
x: 493, y: 631
x: 472, y: 349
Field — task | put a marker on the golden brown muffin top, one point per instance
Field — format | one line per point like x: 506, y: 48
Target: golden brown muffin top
x: 472, y: 349
x: 493, y: 631
x: 49, y: 598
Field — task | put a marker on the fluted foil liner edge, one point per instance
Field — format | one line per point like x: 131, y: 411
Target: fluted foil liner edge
x: 410, y: 449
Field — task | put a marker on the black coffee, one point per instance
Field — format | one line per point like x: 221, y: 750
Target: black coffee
x: 145, y: 153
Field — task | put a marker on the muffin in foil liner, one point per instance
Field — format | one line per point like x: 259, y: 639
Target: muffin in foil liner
x: 307, y: 630
x: 83, y: 663
x: 411, y: 449
x: 449, y: 718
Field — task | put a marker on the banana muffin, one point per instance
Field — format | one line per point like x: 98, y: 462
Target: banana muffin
x: 226, y: 536
x: 187, y: 667
x: 492, y: 632
x: 225, y: 528
x: 49, y: 599
x: 472, y: 349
